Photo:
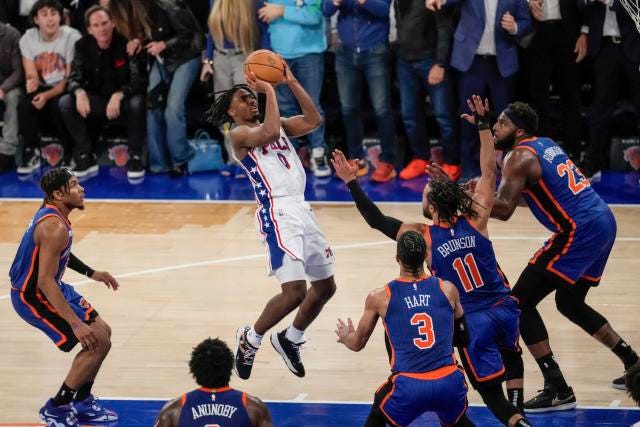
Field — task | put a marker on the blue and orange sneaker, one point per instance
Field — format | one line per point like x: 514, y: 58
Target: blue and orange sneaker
x: 90, y: 410
x: 58, y: 416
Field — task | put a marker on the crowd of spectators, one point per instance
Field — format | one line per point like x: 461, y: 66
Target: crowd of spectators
x: 67, y: 69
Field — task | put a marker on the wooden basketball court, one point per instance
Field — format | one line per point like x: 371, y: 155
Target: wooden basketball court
x: 193, y: 270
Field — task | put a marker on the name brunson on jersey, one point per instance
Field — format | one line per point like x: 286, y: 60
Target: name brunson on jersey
x: 456, y: 244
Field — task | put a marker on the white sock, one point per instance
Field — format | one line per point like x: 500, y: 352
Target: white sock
x: 254, y: 339
x: 293, y: 334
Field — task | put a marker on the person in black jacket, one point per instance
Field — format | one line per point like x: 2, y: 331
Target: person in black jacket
x: 171, y: 36
x: 423, y: 48
x: 557, y: 47
x: 104, y: 84
x: 614, y: 42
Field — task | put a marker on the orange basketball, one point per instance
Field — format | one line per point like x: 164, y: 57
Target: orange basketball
x: 266, y: 65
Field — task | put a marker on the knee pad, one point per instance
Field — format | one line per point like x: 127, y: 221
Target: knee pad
x: 498, y: 404
x: 580, y: 313
x: 513, y: 364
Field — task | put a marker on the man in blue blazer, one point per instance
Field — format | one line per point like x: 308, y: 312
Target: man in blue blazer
x: 485, y: 52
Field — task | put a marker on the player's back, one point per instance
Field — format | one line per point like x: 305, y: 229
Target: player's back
x: 463, y: 256
x: 563, y: 197
x: 223, y: 407
x: 24, y: 269
x: 275, y: 171
x: 419, y: 325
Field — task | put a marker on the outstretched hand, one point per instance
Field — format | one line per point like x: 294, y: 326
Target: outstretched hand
x: 479, y: 110
x: 106, y: 278
x: 344, y: 329
x: 346, y: 170
x: 255, y: 83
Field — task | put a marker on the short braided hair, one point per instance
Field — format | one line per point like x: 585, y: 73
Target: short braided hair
x: 218, y: 113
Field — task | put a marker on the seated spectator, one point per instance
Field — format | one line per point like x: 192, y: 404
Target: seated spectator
x: 11, y: 79
x: 424, y: 43
x: 614, y: 43
x: 170, y: 34
x: 211, y: 363
x: 47, y: 51
x: 104, y: 84
x: 227, y: 47
x: 363, y: 27
x: 296, y: 30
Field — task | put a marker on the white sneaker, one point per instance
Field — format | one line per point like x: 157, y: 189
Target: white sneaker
x: 319, y: 164
x: 30, y: 162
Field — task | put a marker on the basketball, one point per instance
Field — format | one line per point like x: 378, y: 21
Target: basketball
x: 266, y: 65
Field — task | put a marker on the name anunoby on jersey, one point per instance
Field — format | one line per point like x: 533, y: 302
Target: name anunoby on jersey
x: 456, y: 244
x: 209, y: 409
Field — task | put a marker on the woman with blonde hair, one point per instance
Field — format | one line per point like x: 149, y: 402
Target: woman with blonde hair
x: 234, y: 34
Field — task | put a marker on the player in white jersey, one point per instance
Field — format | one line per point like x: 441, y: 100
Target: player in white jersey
x: 296, y: 248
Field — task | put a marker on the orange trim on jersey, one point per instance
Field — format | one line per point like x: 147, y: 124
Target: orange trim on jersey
x: 215, y: 390
x: 393, y: 352
x: 504, y: 279
x: 464, y: 411
x: 550, y: 242
x: 531, y: 138
x: 475, y: 374
x: 571, y: 233
x: 385, y: 401
x: 34, y: 255
x: 47, y: 205
x: 63, y: 337
x: 183, y: 400
x: 473, y: 224
x: 411, y: 279
x: 86, y: 315
x: 526, y: 147
x: 431, y: 375
x: 591, y: 279
x: 387, y: 290
x: 244, y: 399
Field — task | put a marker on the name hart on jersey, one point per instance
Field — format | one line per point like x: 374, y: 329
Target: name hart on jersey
x: 456, y: 244
x: 279, y: 145
x: 213, y: 409
x: 421, y: 300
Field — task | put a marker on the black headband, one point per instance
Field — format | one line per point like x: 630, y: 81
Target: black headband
x: 59, y: 181
x: 520, y: 124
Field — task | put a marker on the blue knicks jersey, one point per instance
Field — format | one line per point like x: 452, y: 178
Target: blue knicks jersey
x: 223, y: 407
x: 419, y: 325
x: 24, y: 270
x: 464, y: 257
x: 563, y: 197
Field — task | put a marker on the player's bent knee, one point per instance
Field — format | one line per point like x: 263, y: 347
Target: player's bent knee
x: 294, y: 293
x: 513, y: 364
x: 325, y: 288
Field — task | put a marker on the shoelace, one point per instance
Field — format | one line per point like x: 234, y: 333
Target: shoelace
x: 248, y: 353
x: 296, y: 349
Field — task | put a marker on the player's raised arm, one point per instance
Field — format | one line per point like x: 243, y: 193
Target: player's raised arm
x: 356, y: 339
x: 254, y: 136
x: 310, y: 118
x: 389, y: 226
x: 515, y: 173
x: 484, y: 193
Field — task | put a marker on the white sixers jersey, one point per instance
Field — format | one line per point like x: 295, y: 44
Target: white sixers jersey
x: 275, y: 170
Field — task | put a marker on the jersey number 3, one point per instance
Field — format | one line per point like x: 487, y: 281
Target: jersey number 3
x: 571, y: 170
x: 425, y: 329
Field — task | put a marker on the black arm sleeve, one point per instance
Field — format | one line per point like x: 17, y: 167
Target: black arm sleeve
x: 460, y: 332
x: 76, y: 265
x: 387, y: 225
